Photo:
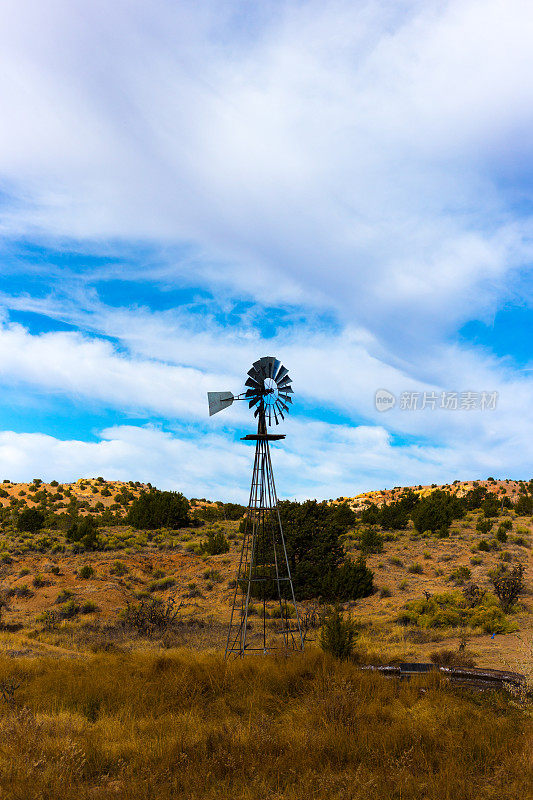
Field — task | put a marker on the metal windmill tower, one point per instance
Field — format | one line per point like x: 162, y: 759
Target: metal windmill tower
x: 264, y: 573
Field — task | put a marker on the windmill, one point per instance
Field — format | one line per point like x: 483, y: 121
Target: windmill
x: 264, y: 574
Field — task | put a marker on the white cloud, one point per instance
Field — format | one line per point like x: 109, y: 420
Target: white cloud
x: 339, y: 153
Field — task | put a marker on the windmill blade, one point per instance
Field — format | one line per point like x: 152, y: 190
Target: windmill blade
x: 286, y: 381
x: 253, y: 402
x: 264, y: 368
x: 275, y: 415
x: 275, y: 366
x: 280, y: 412
x: 281, y: 374
x: 253, y: 383
x: 281, y: 405
x: 271, y: 366
x: 286, y: 398
x: 217, y: 401
x: 287, y: 389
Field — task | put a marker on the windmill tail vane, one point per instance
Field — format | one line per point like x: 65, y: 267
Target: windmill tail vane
x: 264, y: 573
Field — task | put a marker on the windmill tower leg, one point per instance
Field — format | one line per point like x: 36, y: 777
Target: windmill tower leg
x: 264, y: 573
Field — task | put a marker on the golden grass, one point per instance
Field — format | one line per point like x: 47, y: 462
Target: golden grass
x: 184, y: 724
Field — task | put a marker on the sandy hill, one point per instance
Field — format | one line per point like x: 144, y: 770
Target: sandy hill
x: 501, y: 488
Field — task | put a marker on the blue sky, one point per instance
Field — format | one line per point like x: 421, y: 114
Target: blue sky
x: 185, y: 187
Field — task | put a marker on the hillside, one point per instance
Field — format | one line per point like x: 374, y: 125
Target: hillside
x: 61, y: 598
x: 500, y: 488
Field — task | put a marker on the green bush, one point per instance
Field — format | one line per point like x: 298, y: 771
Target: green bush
x: 484, y: 545
x: 215, y: 544
x: 484, y: 525
x: 337, y: 635
x: 118, y: 568
x: 501, y: 533
x: 460, y: 574
x: 371, y: 541
x: 84, y: 531
x: 352, y: 580
x: 436, y: 512
x: 452, y: 610
x: 416, y: 569
x: 155, y: 509
x: 87, y: 571
x: 161, y: 584
x: 30, y: 520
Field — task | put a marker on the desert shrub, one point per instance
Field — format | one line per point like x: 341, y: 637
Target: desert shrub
x: 490, y: 617
x: 118, y: 568
x: 484, y: 525
x: 403, y: 585
x: 156, y: 509
x: 313, y: 533
x: 484, y: 546
x: 353, y: 579
x: 150, y: 616
x: 21, y: 591
x: 38, y: 582
x: 416, y: 569
x: 84, y: 531
x: 451, y: 658
x: 344, y: 515
x: 88, y: 607
x: 473, y: 594
x: 506, y: 524
x: 215, y: 544
x: 86, y: 572
x: 524, y: 505
x: 63, y: 596
x: 460, y: 574
x: 371, y: 541
x: 385, y: 592
x: 337, y: 635
x: 520, y: 541
x: 233, y: 511
x: 213, y: 575
x: 509, y: 585
x: 452, y: 610
x: 476, y: 561
x: 30, y: 520
x: 69, y: 610
x: 161, y: 585
x: 436, y: 512
x: 371, y: 515
x: 395, y: 561
x: 501, y: 533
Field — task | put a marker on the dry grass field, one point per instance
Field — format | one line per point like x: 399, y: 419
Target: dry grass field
x: 92, y: 708
x: 187, y: 725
